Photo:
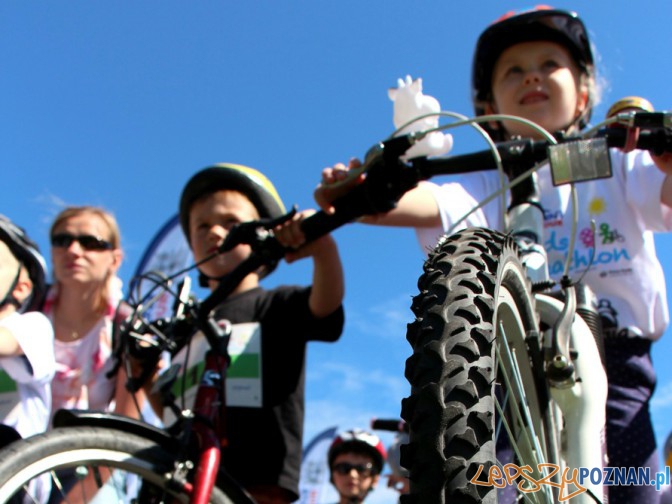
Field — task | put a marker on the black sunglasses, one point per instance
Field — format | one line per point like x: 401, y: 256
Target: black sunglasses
x: 88, y: 242
x: 346, y: 467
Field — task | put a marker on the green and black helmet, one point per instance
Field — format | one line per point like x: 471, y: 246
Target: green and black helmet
x: 248, y: 181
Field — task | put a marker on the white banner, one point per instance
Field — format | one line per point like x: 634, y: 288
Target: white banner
x: 168, y: 253
x: 314, y: 468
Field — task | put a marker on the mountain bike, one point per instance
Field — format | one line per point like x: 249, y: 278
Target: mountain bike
x: 508, y: 394
x: 492, y: 301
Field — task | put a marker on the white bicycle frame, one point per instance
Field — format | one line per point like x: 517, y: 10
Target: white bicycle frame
x: 582, y: 400
x: 583, y: 405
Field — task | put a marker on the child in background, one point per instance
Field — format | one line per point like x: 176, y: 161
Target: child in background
x: 539, y: 65
x: 356, y: 459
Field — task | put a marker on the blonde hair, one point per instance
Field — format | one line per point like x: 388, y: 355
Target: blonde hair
x: 114, y: 234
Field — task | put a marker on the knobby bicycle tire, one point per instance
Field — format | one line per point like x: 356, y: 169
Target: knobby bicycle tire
x: 478, y: 395
x: 80, y: 451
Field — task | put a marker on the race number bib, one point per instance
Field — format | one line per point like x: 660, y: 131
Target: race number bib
x: 243, y: 378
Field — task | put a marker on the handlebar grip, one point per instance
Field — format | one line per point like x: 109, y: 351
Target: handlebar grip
x: 657, y: 141
x: 389, y: 424
x: 348, y: 208
x: 653, y: 119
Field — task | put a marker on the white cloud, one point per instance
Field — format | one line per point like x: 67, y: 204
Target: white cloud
x: 662, y: 398
x: 350, y: 380
x: 387, y: 319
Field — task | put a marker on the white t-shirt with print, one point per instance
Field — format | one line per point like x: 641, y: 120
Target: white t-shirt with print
x: 626, y: 275
x: 25, y: 380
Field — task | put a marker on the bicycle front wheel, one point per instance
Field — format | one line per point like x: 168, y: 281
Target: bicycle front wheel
x: 91, y: 464
x: 479, y: 406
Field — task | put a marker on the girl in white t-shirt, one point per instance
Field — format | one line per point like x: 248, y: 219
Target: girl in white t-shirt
x: 539, y: 65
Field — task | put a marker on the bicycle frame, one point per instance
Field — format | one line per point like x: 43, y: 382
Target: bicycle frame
x: 583, y: 405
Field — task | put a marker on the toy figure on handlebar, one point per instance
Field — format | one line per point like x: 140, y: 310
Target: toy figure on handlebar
x: 539, y: 65
x: 264, y: 439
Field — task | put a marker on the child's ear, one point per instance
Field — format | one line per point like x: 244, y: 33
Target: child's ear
x: 582, y: 101
x: 491, y: 108
x: 117, y: 257
x: 23, y: 287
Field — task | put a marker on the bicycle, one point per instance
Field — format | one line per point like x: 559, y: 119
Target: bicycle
x: 98, y: 456
x: 507, y: 393
x: 170, y: 465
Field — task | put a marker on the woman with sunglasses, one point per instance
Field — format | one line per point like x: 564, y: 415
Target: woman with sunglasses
x: 81, y: 304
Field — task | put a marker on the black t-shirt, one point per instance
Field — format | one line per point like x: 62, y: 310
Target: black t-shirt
x: 265, y: 444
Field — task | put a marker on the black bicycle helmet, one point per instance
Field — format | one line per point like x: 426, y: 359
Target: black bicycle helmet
x: 358, y: 441
x: 248, y: 181
x: 541, y: 23
x: 28, y: 254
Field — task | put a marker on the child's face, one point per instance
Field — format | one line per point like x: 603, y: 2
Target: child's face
x: 210, y: 220
x: 353, y: 483
x: 538, y: 81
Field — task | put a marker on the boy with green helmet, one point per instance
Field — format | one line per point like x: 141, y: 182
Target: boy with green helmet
x: 265, y: 441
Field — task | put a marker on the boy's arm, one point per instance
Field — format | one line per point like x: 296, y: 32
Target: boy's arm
x: 328, y: 287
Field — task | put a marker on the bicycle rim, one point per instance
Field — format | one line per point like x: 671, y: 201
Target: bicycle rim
x: 478, y: 398
x: 91, y: 465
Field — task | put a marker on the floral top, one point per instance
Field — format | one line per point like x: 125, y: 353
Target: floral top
x: 82, y: 365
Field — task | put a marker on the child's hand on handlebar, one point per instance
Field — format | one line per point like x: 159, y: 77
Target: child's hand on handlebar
x: 290, y: 235
x: 337, y: 181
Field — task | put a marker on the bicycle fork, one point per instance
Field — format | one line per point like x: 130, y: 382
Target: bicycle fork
x: 581, y: 401
x: 577, y: 385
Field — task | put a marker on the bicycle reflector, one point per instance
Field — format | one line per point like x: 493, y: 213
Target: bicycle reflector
x: 579, y: 161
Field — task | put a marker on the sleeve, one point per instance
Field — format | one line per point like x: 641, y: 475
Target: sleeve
x: 295, y: 302
x: 642, y: 180
x: 457, y: 201
x: 35, y: 335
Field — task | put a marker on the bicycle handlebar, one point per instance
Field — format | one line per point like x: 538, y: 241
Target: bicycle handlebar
x: 527, y: 152
x: 389, y: 424
x: 388, y: 179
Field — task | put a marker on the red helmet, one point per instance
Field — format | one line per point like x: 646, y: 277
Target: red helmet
x: 541, y: 23
x: 358, y: 441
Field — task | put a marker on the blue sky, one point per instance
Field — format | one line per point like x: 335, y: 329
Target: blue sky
x: 117, y: 103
